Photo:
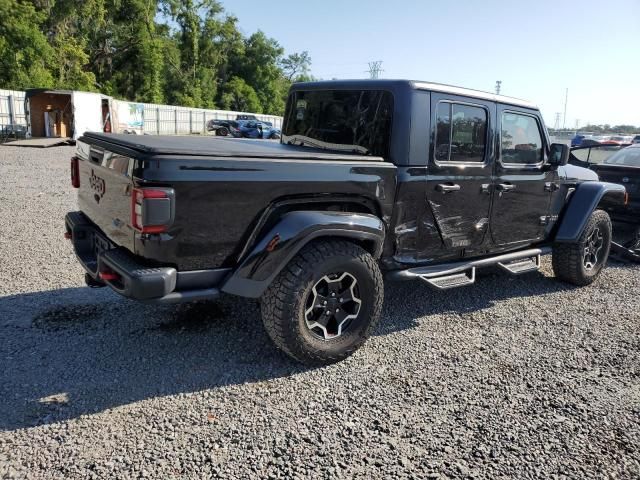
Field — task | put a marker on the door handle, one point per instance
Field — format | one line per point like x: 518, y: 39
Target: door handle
x: 447, y: 187
x: 505, y: 187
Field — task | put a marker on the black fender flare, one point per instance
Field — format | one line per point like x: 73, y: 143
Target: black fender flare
x: 294, y: 230
x: 584, y: 200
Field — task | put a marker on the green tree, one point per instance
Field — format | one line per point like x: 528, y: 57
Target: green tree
x: 259, y: 68
x: 296, y: 66
x: 25, y: 55
x: 238, y: 96
x: 184, y: 52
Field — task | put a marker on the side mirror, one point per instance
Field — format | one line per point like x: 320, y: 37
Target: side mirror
x: 559, y: 154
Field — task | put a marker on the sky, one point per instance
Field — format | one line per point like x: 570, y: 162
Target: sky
x: 538, y: 49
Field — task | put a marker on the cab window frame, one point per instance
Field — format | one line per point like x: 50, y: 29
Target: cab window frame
x: 487, y: 141
x: 543, y: 147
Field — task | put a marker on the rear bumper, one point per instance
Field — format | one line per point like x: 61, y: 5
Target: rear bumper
x: 127, y: 274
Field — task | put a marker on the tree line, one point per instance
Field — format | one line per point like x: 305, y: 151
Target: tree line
x: 180, y: 52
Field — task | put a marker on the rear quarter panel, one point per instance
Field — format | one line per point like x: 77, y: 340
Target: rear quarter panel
x: 220, y: 201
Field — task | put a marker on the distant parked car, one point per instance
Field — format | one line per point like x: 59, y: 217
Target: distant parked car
x: 617, y: 140
x: 636, y: 139
x: 275, y: 132
x: 246, y: 117
x: 579, y: 139
x: 253, y: 129
x: 221, y: 127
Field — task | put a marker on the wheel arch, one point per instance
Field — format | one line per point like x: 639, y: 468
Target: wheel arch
x: 586, y: 198
x: 272, y: 250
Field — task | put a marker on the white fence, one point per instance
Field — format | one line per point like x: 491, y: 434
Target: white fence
x: 167, y: 119
x: 12, y: 110
x: 157, y: 119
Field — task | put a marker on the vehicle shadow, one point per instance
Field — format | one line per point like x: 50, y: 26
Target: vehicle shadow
x: 77, y: 351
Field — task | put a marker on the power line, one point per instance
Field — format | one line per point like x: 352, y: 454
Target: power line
x: 375, y: 69
x: 564, y: 118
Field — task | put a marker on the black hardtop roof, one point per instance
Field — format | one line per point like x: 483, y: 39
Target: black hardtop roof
x: 399, y: 85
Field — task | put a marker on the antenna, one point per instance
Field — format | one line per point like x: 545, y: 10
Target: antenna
x: 375, y: 69
x: 498, y: 85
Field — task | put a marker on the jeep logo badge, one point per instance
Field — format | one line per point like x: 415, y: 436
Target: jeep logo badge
x: 97, y: 184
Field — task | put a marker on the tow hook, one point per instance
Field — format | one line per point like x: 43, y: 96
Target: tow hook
x: 92, y: 282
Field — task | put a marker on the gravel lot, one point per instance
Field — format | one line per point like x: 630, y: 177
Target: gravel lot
x: 514, y: 377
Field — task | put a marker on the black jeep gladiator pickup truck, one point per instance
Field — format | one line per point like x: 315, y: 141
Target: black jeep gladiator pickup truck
x: 410, y: 180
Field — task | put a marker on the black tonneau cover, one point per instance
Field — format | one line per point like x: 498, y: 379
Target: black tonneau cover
x: 216, y: 147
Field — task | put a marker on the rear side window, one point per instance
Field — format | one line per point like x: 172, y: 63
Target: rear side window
x: 461, y: 133
x: 356, y: 121
x: 521, y: 142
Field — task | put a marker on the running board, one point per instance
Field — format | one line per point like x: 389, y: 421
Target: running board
x: 467, y: 268
x: 452, y: 281
x: 516, y: 267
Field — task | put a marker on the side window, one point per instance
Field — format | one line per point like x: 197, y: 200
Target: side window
x: 443, y: 132
x: 521, y: 142
x: 460, y: 133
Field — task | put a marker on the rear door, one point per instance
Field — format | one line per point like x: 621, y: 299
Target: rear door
x: 523, y: 183
x: 459, y: 169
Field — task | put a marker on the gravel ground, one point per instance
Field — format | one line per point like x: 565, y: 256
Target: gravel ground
x: 514, y: 377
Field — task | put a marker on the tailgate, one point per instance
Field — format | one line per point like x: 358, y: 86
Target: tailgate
x: 105, y: 193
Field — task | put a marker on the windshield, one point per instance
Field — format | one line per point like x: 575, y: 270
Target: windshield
x: 348, y: 120
x: 628, y: 157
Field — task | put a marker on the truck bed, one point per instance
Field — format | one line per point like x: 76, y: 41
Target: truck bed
x: 222, y: 189
x: 215, y: 147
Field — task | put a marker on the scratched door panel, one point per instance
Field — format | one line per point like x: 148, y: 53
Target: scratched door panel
x: 459, y: 169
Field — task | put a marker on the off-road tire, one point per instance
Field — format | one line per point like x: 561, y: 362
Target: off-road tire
x: 283, y: 304
x: 568, y: 258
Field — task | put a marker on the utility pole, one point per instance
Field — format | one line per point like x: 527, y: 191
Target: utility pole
x: 375, y: 69
x: 564, y: 118
x: 498, y: 85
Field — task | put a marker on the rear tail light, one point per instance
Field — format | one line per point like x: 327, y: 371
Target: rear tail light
x: 75, y: 172
x: 152, y: 209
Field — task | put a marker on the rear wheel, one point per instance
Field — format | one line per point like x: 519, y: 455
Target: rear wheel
x: 223, y: 132
x: 581, y: 262
x: 324, y: 304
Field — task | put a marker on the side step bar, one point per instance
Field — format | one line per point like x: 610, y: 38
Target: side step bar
x: 525, y: 265
x: 452, y: 281
x: 458, y: 274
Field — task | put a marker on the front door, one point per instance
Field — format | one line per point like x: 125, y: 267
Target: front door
x: 523, y: 182
x: 460, y: 169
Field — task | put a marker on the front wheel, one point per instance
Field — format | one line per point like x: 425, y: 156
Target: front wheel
x: 324, y: 304
x: 581, y: 262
